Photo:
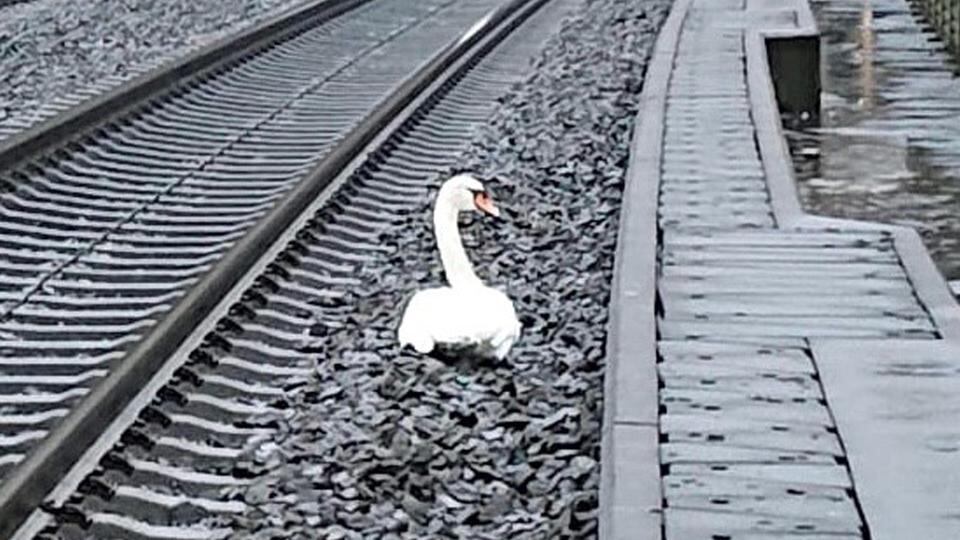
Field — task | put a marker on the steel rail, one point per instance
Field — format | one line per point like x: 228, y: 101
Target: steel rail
x: 76, y: 122
x: 34, y: 478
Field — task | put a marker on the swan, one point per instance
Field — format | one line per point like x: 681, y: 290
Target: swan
x: 467, y: 315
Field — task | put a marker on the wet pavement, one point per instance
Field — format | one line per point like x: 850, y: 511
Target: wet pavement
x: 888, y: 147
x: 756, y: 301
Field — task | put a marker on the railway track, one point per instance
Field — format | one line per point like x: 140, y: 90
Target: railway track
x: 100, y: 235
x: 263, y: 216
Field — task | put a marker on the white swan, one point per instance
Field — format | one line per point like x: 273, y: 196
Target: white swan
x: 467, y: 314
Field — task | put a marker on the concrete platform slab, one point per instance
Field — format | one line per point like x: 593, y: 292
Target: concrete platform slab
x: 897, y: 407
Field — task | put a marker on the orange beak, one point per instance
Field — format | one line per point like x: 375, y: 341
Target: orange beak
x: 485, y: 204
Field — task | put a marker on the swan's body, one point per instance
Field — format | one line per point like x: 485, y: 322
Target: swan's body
x: 467, y: 314
x: 480, y: 319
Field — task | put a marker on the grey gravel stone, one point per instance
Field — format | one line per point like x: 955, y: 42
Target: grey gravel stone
x: 390, y: 444
x: 51, y: 50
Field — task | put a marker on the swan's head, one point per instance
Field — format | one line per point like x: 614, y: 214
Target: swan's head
x: 466, y: 193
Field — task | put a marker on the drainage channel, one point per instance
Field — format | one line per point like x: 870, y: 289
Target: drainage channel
x: 101, y: 236
x: 169, y: 462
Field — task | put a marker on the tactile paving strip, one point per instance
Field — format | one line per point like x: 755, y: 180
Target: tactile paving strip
x: 748, y: 445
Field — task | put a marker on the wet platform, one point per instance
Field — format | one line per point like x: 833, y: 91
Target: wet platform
x: 771, y: 373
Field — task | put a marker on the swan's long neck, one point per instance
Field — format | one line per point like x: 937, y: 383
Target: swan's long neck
x: 452, y: 255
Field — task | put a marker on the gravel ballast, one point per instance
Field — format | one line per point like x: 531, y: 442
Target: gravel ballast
x: 56, y: 52
x: 385, y: 443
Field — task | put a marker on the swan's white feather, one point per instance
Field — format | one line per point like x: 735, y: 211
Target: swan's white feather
x: 477, y: 317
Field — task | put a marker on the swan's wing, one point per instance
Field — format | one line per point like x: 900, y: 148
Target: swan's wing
x: 433, y: 316
x: 416, y: 321
x: 454, y: 318
x: 494, y: 320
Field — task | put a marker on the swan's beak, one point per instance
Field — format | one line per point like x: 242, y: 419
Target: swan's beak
x: 485, y: 204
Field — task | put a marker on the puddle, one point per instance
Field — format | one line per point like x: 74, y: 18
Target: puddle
x: 888, y: 147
